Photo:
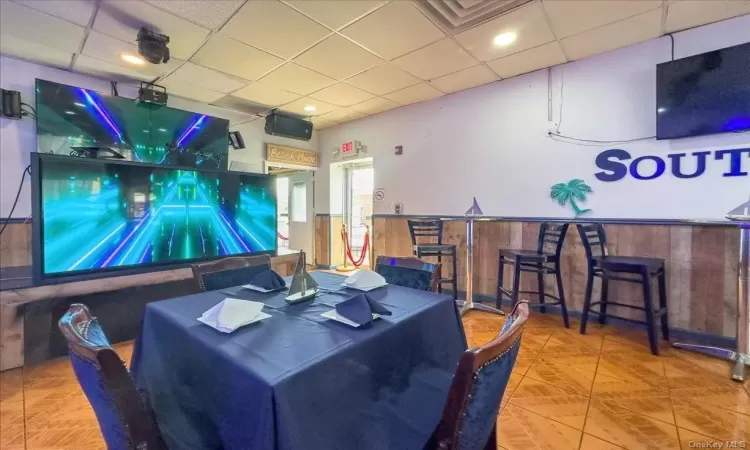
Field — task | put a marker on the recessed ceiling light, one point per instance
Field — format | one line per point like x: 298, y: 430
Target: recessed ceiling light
x: 70, y: 113
x: 131, y: 59
x: 310, y: 108
x: 504, y: 39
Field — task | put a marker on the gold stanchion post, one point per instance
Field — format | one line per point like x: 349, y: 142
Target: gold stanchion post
x: 344, y: 267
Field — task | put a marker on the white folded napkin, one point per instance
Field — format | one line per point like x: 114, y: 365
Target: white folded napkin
x: 365, y: 279
x: 233, y: 313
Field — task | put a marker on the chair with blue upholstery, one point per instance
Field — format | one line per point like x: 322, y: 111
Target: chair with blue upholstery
x: 409, y: 272
x: 229, y: 272
x: 470, y: 414
x: 125, y: 419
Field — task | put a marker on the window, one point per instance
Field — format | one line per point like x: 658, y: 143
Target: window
x: 299, y: 202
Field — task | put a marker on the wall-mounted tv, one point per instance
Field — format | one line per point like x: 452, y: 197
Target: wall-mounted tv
x: 704, y: 94
x: 94, y: 216
x: 69, y: 117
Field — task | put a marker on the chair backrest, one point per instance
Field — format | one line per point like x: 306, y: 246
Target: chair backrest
x: 552, y: 237
x: 409, y: 272
x: 426, y: 231
x: 470, y: 414
x: 594, y: 240
x: 229, y: 272
x: 126, y: 421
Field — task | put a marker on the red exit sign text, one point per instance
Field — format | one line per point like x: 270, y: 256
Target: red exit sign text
x: 347, y: 147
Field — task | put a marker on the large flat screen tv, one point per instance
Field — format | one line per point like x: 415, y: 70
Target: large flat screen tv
x: 704, y: 94
x: 93, y: 217
x: 70, y: 117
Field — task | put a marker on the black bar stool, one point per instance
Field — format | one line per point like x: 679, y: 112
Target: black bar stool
x: 545, y: 260
x: 427, y: 240
x: 607, y: 267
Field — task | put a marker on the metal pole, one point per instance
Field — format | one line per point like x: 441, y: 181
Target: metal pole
x: 469, y: 303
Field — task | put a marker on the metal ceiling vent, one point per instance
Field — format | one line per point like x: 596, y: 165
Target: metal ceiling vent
x: 458, y: 15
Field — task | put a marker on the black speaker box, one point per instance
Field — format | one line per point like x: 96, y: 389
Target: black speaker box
x: 287, y: 126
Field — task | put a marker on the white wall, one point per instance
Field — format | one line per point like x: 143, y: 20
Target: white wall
x: 491, y: 142
x: 18, y: 137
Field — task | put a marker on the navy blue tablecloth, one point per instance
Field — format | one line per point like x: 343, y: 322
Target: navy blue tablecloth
x: 297, y: 380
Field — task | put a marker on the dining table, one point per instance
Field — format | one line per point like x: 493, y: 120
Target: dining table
x: 297, y: 380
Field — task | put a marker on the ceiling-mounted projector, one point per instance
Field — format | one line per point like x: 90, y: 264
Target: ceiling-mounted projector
x: 153, y: 46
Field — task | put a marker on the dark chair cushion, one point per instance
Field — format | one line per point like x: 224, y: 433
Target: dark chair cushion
x: 406, y: 276
x: 232, y: 277
x: 631, y: 264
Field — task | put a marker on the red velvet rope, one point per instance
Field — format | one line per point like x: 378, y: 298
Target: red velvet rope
x: 281, y: 236
x: 348, y: 248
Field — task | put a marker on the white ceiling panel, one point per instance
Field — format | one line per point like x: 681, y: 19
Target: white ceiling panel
x: 546, y: 55
x: 274, y: 27
x: 320, y: 123
x: 394, y: 30
x: 343, y: 115
x: 528, y: 24
x: 435, y: 60
x: 265, y: 96
x: 414, y: 94
x: 75, y: 11
x: 209, y: 14
x: 241, y: 106
x: 203, y: 77
x: 29, y: 51
x: 374, y: 106
x: 297, y: 79
x: 335, y: 13
x: 690, y: 13
x: 464, y: 79
x: 186, y: 89
x: 106, y: 48
x: 33, y: 26
x: 382, y: 79
x: 123, y: 19
x: 338, y: 57
x: 342, y: 95
x: 569, y: 17
x: 302, y: 107
x: 226, y: 55
x: 107, y: 70
x: 619, y: 34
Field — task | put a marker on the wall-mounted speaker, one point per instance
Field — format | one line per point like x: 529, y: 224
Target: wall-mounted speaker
x: 288, y: 126
x: 236, y: 141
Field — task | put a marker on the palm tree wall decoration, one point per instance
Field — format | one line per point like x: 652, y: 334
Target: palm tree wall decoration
x: 570, y: 192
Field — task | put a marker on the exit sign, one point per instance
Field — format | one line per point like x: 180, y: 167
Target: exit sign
x: 347, y: 147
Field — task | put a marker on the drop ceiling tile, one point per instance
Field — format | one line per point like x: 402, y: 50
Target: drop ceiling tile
x: 375, y: 105
x: 414, y: 94
x: 342, y: 95
x: 619, y: 34
x: 123, y: 19
x: 569, y: 17
x: 33, y: 26
x: 335, y: 13
x: 686, y: 14
x: 110, y: 71
x: 546, y: 55
x: 321, y: 124
x: 527, y: 22
x: 338, y: 57
x: 260, y: 94
x: 75, y: 11
x: 293, y: 78
x: 274, y: 27
x: 464, y: 79
x: 30, y: 51
x: 394, y: 30
x: 226, y: 55
x: 242, y: 106
x: 343, y: 115
x: 382, y: 79
x: 207, y: 14
x: 435, y: 60
x: 106, y: 48
x: 185, y: 89
x: 298, y: 107
x: 203, y: 77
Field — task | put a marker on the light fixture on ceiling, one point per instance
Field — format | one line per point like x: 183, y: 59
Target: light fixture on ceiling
x: 505, y: 39
x: 310, y: 108
x: 132, y: 59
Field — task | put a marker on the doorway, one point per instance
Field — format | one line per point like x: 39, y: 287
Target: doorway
x: 296, y: 214
x: 359, y: 184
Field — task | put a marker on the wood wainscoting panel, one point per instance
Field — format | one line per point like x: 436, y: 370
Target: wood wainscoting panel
x: 337, y: 246
x: 15, y: 245
x: 322, y: 240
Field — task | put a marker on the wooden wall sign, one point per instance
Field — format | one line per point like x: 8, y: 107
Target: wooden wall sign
x: 288, y: 155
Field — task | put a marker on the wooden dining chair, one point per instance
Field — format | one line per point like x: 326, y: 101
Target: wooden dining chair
x: 470, y: 414
x: 229, y: 272
x: 409, y: 272
x: 125, y: 419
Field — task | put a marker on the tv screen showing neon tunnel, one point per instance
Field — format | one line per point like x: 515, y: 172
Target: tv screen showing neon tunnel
x: 107, y: 215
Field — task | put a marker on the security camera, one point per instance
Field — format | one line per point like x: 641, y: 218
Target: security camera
x: 153, y: 46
